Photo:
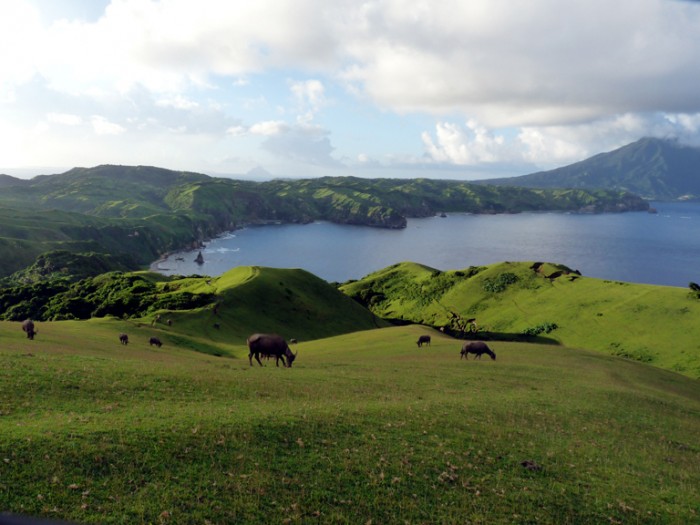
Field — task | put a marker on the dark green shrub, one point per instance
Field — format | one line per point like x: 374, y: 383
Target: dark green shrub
x: 540, y: 328
x: 181, y: 301
x: 694, y: 290
x: 500, y: 283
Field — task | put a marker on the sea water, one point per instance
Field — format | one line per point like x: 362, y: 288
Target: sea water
x: 655, y: 248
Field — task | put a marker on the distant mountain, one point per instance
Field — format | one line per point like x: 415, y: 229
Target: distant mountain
x: 655, y: 169
x: 9, y: 180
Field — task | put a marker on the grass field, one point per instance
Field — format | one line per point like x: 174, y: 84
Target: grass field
x: 652, y: 324
x: 365, y: 428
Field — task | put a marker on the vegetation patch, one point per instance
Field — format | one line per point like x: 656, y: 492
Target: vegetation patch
x: 500, y: 283
x: 643, y: 355
x: 115, y: 294
x: 542, y: 328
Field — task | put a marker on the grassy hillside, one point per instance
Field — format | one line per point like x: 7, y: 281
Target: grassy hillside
x: 26, y: 233
x: 365, y: 427
x: 250, y: 299
x: 653, y: 324
x: 244, y: 299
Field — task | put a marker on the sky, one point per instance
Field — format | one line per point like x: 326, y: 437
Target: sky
x: 448, y: 89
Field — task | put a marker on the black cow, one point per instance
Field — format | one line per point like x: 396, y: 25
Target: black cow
x: 28, y: 327
x: 155, y: 341
x: 423, y: 340
x: 478, y: 348
x: 272, y: 345
x: 124, y: 339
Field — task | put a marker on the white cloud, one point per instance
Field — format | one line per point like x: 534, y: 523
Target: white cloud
x: 64, y: 119
x: 504, y: 63
x: 572, y: 81
x: 309, y: 93
x: 102, y: 126
x: 546, y: 147
x: 178, y: 102
x: 307, y: 145
x: 529, y: 63
x: 269, y: 128
x: 470, y: 145
x: 236, y: 131
x: 21, y: 41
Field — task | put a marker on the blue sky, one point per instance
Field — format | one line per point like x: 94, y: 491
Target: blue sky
x: 378, y: 88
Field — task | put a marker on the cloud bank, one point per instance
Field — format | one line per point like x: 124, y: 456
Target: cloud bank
x: 479, y: 83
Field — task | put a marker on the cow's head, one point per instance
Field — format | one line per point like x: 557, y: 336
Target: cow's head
x: 290, y: 357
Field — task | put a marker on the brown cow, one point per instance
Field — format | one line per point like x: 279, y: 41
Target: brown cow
x: 423, y: 340
x: 478, y: 348
x: 272, y: 345
x: 28, y: 327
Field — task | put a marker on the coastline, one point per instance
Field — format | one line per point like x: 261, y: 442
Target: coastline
x: 605, y: 246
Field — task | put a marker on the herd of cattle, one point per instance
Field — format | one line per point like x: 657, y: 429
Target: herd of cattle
x: 273, y: 345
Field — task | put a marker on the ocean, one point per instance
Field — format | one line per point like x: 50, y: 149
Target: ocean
x: 661, y: 248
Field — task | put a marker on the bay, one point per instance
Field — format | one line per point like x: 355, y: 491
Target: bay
x: 641, y: 247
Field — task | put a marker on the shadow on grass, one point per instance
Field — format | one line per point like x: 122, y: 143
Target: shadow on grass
x: 483, y: 335
x: 507, y: 336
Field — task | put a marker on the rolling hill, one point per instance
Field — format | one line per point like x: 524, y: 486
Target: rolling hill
x: 543, y: 302
x: 233, y: 305
x: 656, y: 169
x: 525, y: 301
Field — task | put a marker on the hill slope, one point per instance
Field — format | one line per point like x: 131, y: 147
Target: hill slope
x: 228, y: 308
x: 653, y: 324
x: 247, y: 299
x: 656, y: 169
x: 365, y: 426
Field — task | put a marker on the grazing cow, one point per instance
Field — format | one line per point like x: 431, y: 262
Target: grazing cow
x: 292, y: 341
x: 423, y: 340
x: 28, y: 327
x: 155, y: 341
x: 478, y: 348
x: 124, y: 339
x: 272, y: 345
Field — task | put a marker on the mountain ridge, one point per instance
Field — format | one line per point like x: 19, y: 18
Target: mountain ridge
x: 655, y: 169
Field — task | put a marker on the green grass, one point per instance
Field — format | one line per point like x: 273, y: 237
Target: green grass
x: 654, y: 324
x: 366, y: 427
x: 293, y: 302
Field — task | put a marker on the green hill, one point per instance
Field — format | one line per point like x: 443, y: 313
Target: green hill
x: 656, y: 169
x: 653, y: 324
x: 138, y: 213
x: 534, y: 302
x: 228, y: 308
x: 366, y: 427
x: 251, y: 299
